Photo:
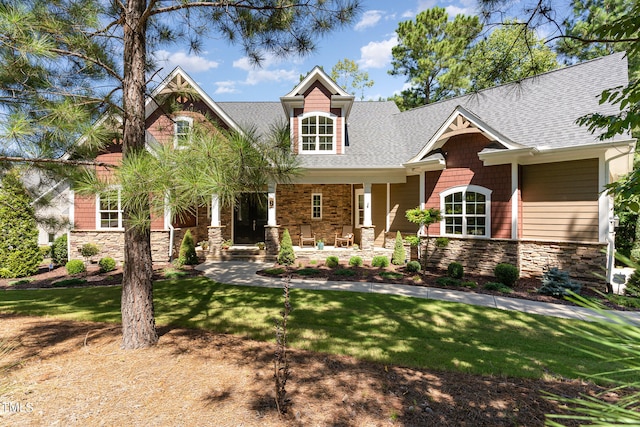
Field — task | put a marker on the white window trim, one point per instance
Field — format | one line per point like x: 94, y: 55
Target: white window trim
x: 312, y: 197
x: 333, y: 117
x: 464, y: 189
x: 175, y: 127
x: 359, y: 192
x: 99, y: 226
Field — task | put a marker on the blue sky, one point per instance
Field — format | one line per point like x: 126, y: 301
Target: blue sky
x: 226, y: 75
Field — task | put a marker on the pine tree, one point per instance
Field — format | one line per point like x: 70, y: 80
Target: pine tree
x: 399, y: 254
x: 19, y: 252
x: 286, y: 256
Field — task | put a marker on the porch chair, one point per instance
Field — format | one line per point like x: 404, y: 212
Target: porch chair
x: 306, y: 236
x: 346, y: 238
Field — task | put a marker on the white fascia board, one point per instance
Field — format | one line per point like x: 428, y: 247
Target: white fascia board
x: 434, y: 164
x: 352, y: 176
x: 317, y: 74
x: 531, y: 156
x: 151, y: 106
x: 487, y: 130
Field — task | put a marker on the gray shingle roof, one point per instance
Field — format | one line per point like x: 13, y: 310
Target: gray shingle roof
x: 537, y: 112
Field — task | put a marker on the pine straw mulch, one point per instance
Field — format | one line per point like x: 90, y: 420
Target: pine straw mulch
x: 74, y: 373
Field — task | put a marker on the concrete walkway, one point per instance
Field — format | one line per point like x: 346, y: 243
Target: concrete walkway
x: 243, y: 273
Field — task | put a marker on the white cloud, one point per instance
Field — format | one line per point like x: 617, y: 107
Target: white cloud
x: 190, y: 63
x: 226, y: 87
x: 260, y: 74
x: 377, y: 54
x: 369, y: 19
x: 455, y: 10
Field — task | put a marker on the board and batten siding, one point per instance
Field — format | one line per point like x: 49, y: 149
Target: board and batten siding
x: 560, y: 201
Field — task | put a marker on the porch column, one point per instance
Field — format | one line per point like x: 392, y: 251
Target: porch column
x: 215, y: 229
x: 367, y: 232
x: 271, y: 205
x: 367, y: 205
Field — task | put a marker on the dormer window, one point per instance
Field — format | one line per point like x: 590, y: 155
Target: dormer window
x: 182, y: 130
x: 317, y: 134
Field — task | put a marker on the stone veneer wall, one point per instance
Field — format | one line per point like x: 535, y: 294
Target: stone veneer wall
x: 111, y: 244
x: 580, y: 259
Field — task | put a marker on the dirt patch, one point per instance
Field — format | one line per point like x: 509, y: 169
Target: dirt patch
x: 74, y: 373
x: 525, y: 288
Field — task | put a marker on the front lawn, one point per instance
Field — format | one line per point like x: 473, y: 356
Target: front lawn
x: 388, y: 329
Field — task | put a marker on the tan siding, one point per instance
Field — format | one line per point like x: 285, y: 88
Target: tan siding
x: 403, y: 197
x: 560, y: 201
x: 379, y: 212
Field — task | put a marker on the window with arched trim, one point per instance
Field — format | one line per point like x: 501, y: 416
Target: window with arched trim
x: 317, y: 134
x: 466, y: 211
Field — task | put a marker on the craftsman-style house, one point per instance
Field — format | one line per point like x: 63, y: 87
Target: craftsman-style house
x: 515, y: 177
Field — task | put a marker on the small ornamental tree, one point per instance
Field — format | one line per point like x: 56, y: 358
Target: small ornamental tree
x: 286, y: 256
x: 19, y: 252
x: 188, y: 254
x: 399, y: 254
x: 424, y: 217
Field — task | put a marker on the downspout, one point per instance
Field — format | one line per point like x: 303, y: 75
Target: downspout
x: 171, y: 233
x: 611, y: 252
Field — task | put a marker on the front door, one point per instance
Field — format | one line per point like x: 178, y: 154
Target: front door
x: 249, y: 218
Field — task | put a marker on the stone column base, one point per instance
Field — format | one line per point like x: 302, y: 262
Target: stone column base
x: 215, y: 239
x: 367, y: 238
x: 272, y: 239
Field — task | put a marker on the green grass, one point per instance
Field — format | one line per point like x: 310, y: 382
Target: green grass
x: 383, y: 328
x: 69, y: 282
x: 391, y: 275
x: 274, y: 271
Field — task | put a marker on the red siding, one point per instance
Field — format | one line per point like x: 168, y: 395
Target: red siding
x: 465, y: 168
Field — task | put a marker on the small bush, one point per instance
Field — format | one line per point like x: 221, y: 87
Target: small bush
x: 380, y: 261
x: 188, y: 254
x: 447, y: 281
x: 89, y: 249
x: 442, y: 242
x: 391, y: 275
x: 413, y: 266
x: 20, y: 282
x: 286, y: 256
x: 345, y: 272
x: 506, y: 273
x: 75, y: 266
x: 455, y: 270
x: 170, y: 273
x: 332, y: 261
x: 399, y: 254
x: 69, y: 282
x: 469, y: 284
x: 59, y: 253
x: 412, y: 240
x: 45, y: 251
x: 274, y: 271
x: 632, y: 287
x: 355, y: 261
x: 308, y: 271
x: 107, y: 264
x: 557, y: 283
x: 496, y: 286
x: 5, y: 273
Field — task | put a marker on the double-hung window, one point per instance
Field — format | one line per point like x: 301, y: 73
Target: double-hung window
x: 109, y: 210
x: 182, y: 130
x: 466, y: 211
x: 316, y: 206
x: 317, y: 134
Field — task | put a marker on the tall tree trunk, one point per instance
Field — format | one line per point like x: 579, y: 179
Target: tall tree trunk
x: 138, y: 322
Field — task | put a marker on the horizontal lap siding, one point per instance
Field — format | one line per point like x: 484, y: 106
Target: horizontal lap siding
x: 560, y: 201
x: 379, y: 212
x: 403, y: 197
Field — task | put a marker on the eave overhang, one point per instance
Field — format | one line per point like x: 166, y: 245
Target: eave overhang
x: 373, y: 175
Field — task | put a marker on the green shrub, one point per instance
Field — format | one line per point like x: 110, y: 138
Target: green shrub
x: 412, y: 240
x: 89, y: 249
x: 188, y: 254
x: 391, y: 275
x: 286, y: 256
x: 75, y: 266
x: 469, y: 284
x: 332, y: 261
x: 59, y: 254
x: 447, y: 281
x: 345, y: 272
x: 107, y: 264
x: 557, y: 283
x: 5, y: 273
x: 632, y: 287
x: 497, y: 286
x: 442, y: 242
x: 274, y: 271
x: 455, y: 270
x: 399, y: 254
x: 413, y: 266
x: 380, y: 261
x: 45, y: 251
x: 506, y: 273
x: 70, y: 282
x: 355, y: 261
x: 308, y: 271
